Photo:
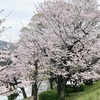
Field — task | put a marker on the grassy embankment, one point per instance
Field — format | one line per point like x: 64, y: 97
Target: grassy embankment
x: 90, y: 93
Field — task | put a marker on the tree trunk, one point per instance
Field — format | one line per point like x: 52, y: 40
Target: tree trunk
x: 59, y: 84
x: 34, y: 85
x: 51, y: 83
x: 32, y: 93
x: 63, y: 85
x: 35, y: 91
x: 23, y: 92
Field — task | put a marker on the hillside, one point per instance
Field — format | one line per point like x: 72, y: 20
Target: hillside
x: 90, y: 93
x: 4, y: 45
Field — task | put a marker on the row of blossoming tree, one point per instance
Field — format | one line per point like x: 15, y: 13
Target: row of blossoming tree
x: 61, y: 42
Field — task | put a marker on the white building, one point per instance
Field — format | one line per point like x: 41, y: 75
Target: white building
x: 5, y: 57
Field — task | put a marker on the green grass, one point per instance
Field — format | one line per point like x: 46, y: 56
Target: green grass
x: 90, y: 93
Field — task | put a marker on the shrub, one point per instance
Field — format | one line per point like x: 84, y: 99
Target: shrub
x: 88, y: 82
x: 81, y: 88
x: 75, y: 89
x: 49, y: 95
x: 69, y: 89
x: 13, y: 96
x: 78, y: 88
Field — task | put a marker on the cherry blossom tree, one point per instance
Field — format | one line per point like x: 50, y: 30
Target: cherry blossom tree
x: 32, y: 59
x: 59, y: 37
x: 10, y: 74
x: 13, y: 76
x: 62, y: 38
x: 71, y: 30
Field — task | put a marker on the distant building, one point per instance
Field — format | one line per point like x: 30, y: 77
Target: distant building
x: 5, y: 57
x: 5, y: 54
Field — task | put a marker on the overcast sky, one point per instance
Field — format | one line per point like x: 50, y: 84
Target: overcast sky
x: 21, y: 12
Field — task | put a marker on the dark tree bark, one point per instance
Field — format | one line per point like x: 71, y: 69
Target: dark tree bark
x: 36, y: 91
x: 59, y: 84
x: 32, y: 94
x: 51, y: 80
x: 51, y: 83
x: 34, y: 85
x: 63, y: 86
x: 23, y: 92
